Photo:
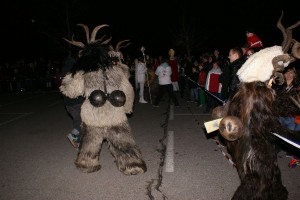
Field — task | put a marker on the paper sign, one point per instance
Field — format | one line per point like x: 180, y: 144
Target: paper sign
x: 213, y: 125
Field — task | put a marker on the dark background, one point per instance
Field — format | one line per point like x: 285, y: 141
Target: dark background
x: 32, y: 28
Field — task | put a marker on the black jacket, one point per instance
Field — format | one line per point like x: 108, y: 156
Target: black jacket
x: 235, y: 66
x: 229, y: 79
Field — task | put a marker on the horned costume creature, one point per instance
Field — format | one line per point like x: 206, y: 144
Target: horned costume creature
x: 251, y: 116
x: 109, y: 96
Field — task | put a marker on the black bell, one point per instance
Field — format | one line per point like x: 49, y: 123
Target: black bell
x: 97, y: 98
x: 117, y: 98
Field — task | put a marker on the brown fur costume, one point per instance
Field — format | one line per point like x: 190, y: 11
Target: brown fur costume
x: 107, y: 122
x: 250, y: 117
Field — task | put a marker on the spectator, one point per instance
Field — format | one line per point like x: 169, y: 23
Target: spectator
x: 175, y: 69
x: 253, y: 40
x: 213, y: 86
x: 140, y: 71
x: 194, y: 96
x: 201, y: 81
x: 73, y: 106
x: 164, y: 73
x: 291, y: 84
x: 228, y: 78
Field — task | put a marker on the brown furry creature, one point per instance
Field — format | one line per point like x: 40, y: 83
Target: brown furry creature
x: 109, y: 97
x: 251, y: 116
x: 248, y: 123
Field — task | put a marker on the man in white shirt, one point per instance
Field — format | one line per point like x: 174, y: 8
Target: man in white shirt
x: 164, y: 73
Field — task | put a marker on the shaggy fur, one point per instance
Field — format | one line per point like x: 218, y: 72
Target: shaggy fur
x: 254, y: 152
x: 106, y: 122
x: 259, y: 67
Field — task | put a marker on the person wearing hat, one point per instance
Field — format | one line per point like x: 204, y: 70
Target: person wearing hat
x: 253, y: 40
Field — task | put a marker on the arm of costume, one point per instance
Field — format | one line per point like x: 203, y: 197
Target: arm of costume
x: 73, y: 86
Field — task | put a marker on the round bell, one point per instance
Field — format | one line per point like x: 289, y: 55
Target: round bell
x: 97, y: 98
x: 117, y: 98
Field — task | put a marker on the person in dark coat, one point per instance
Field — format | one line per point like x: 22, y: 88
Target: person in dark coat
x: 229, y: 78
x: 72, y: 106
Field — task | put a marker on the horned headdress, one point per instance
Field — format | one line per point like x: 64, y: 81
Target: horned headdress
x: 268, y: 63
x: 93, y: 54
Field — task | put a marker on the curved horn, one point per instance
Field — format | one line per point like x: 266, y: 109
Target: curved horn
x: 118, y: 46
x: 296, y: 49
x: 281, y: 61
x: 287, y: 34
x: 87, y: 31
x: 105, y: 41
x: 75, y: 43
x: 94, y: 33
x: 279, y: 25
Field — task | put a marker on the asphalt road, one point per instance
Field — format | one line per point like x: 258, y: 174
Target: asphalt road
x: 184, y: 163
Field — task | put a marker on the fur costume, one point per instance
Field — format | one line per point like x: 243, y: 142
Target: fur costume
x: 250, y: 117
x: 109, y: 96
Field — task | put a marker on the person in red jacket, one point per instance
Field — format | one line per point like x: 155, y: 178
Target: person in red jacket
x: 201, y: 82
x: 175, y: 69
x: 253, y: 41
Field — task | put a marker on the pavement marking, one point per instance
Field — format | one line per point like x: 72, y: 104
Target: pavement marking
x: 171, y: 114
x: 16, y: 118
x: 170, y: 152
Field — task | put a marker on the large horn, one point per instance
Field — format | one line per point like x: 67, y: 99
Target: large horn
x: 87, y: 31
x: 76, y: 43
x: 282, y: 61
x: 287, y: 34
x: 105, y: 41
x: 94, y: 33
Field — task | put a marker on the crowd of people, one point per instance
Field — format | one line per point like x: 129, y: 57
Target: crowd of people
x: 207, y: 80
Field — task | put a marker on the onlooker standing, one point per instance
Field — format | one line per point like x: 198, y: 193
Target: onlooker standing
x: 291, y: 84
x: 201, y: 81
x: 228, y: 78
x: 194, y: 95
x: 73, y: 106
x: 253, y: 40
x: 213, y: 86
x: 164, y: 72
x: 185, y: 71
x: 175, y: 69
x: 140, y: 74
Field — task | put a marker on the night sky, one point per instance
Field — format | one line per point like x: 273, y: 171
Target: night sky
x: 36, y: 27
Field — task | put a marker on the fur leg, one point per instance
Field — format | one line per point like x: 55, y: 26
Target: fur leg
x: 256, y: 163
x: 88, y: 158
x: 253, y: 186
x: 125, y: 151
